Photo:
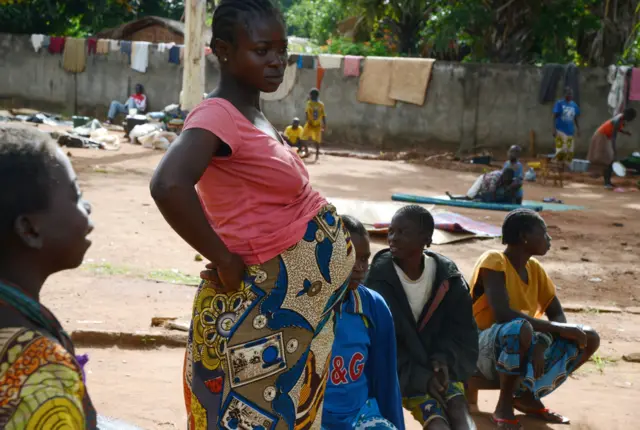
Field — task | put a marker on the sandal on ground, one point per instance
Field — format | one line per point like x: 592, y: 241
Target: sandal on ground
x: 502, y: 423
x: 545, y: 414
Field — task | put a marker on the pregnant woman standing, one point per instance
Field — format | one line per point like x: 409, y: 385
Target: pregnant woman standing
x: 262, y: 333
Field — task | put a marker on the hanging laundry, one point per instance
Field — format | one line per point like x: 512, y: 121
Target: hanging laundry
x: 306, y: 61
x: 174, y: 55
x: 162, y: 47
x: 634, y: 93
x: 551, y: 75
x: 92, y: 45
x: 293, y: 59
x: 289, y: 80
x: 140, y: 56
x: 410, y: 79
x: 330, y: 61
x: 75, y: 55
x: 352, y: 65
x: 617, y: 78
x: 103, y: 46
x: 114, y: 45
x: 319, y: 77
x: 46, y: 42
x: 56, y: 45
x: 125, y: 48
x: 36, y: 41
x: 376, y: 81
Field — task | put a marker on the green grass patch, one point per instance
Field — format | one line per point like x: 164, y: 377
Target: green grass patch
x: 172, y: 276
x: 108, y: 269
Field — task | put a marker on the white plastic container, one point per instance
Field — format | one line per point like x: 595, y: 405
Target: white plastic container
x: 579, y: 166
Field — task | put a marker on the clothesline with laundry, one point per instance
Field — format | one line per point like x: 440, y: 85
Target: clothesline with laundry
x: 382, y: 81
x: 76, y: 50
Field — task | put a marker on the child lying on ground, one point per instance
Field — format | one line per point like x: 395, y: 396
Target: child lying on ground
x: 362, y: 390
x: 528, y: 355
x: 436, y: 334
x: 44, y: 224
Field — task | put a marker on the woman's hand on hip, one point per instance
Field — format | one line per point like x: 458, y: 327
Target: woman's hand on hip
x: 227, y: 276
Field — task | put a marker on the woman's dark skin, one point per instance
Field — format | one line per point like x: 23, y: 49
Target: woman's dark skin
x: 535, y: 243
x: 254, y: 63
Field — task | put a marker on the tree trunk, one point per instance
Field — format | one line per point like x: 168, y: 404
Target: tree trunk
x: 193, y: 84
x: 407, y: 38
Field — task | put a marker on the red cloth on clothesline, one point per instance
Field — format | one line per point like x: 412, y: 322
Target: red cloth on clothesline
x: 92, y: 46
x: 56, y: 44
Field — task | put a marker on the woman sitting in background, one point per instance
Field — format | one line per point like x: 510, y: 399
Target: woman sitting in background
x: 492, y: 187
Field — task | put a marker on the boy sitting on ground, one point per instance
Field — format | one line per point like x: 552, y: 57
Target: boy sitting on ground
x: 436, y: 334
x: 293, y: 133
x: 293, y: 136
x: 362, y: 392
x: 528, y: 355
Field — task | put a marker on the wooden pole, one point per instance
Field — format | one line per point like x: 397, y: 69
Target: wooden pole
x: 193, y: 85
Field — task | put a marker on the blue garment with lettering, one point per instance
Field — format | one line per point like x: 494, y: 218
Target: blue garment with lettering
x: 566, y: 113
x: 363, y: 362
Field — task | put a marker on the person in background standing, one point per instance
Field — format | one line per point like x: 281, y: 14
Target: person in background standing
x: 565, y: 126
x: 138, y: 101
x: 316, y: 120
x: 602, y: 150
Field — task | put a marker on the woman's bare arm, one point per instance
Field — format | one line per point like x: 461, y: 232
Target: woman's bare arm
x: 173, y: 189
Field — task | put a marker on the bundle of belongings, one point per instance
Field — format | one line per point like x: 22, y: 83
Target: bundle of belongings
x: 152, y: 136
x: 90, y: 135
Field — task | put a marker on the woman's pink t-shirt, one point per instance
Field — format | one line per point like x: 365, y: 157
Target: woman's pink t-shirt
x: 258, y: 199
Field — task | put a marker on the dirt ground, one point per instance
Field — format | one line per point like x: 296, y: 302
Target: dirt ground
x: 137, y: 266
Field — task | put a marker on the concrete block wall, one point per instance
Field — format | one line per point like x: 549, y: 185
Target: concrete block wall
x: 468, y: 105
x: 37, y: 80
x: 473, y: 105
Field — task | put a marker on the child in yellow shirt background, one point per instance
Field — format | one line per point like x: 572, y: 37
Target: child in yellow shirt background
x: 316, y: 120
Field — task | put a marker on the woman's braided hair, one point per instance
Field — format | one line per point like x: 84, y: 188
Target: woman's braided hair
x: 230, y: 13
x: 518, y: 222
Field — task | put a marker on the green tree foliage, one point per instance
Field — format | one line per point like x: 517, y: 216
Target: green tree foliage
x: 589, y: 32
x: 315, y: 19
x: 79, y: 17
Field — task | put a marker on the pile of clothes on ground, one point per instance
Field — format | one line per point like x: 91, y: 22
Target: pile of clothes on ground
x: 90, y: 135
x: 32, y: 116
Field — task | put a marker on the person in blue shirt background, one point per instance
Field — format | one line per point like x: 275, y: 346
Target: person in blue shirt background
x: 514, y: 164
x: 362, y: 388
x: 565, y: 126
